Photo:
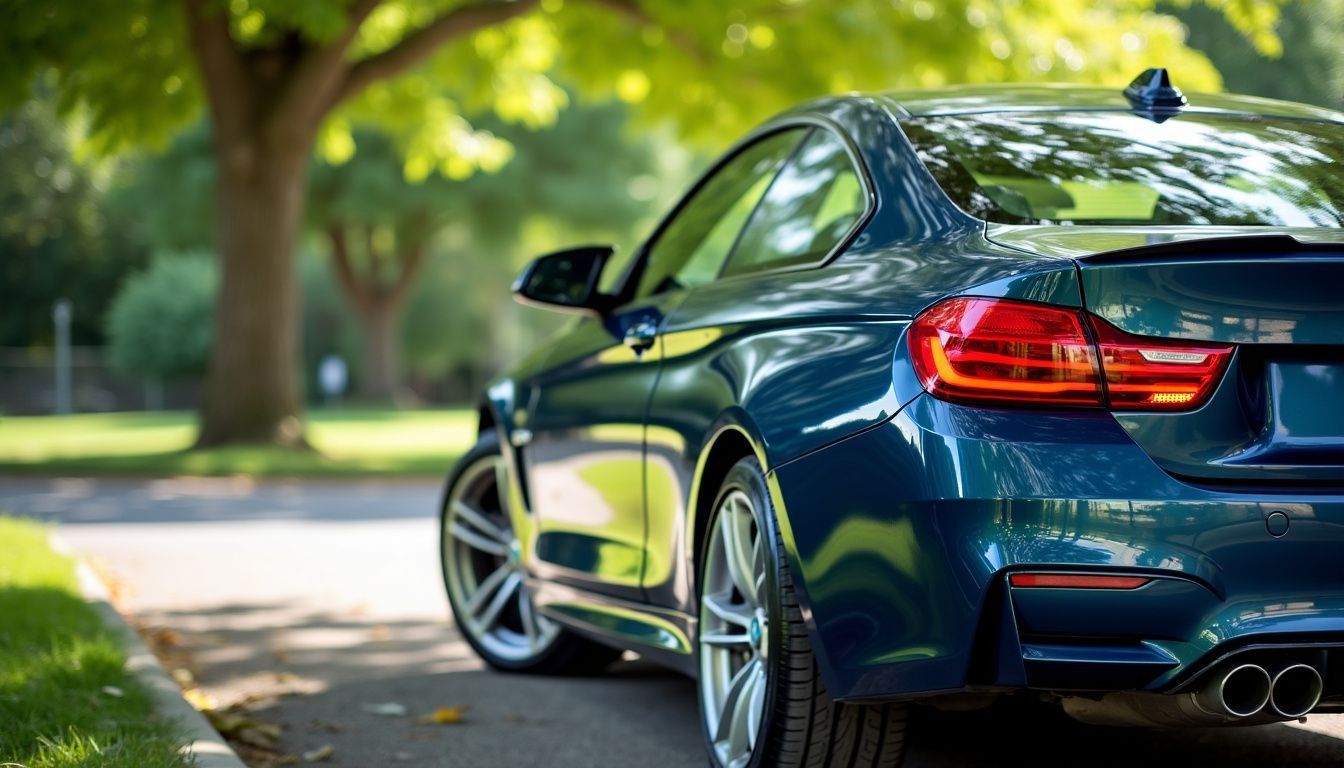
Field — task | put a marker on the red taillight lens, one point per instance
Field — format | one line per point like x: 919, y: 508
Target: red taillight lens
x: 993, y: 350
x: 979, y: 350
x: 1076, y: 581
x: 1156, y: 374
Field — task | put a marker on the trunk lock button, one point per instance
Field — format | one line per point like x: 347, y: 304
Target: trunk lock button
x: 1276, y: 523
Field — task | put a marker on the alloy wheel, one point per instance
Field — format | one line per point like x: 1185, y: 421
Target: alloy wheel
x: 734, y: 632
x: 486, y: 580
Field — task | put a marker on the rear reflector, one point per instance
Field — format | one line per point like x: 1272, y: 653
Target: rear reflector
x: 1076, y: 581
x: 998, y: 351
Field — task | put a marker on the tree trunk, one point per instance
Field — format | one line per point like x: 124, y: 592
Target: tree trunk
x: 380, y: 366
x: 251, y: 392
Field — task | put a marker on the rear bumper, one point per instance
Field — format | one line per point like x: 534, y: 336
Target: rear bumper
x: 902, y: 539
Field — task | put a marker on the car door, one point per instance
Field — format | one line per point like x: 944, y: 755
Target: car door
x: 739, y: 336
x: 585, y: 461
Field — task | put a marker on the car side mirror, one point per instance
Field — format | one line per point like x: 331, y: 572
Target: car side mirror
x: 566, y: 280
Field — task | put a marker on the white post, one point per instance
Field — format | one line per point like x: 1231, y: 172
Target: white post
x: 60, y: 314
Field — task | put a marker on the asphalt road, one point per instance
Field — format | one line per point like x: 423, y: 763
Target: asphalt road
x: 306, y: 602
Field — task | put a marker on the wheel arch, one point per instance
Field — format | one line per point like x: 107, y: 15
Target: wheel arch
x: 732, y: 440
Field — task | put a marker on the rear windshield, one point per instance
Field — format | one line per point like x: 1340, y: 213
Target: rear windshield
x: 1123, y: 168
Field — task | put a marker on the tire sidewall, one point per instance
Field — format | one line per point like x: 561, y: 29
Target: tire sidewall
x: 746, y: 476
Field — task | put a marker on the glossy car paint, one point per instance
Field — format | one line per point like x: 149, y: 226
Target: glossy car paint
x: 902, y: 514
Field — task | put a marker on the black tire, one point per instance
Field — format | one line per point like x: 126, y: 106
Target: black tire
x: 801, y: 724
x: 568, y: 653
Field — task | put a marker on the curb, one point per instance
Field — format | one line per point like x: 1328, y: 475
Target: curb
x: 203, y: 742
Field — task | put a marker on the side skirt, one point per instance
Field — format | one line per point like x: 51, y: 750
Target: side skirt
x: 657, y: 634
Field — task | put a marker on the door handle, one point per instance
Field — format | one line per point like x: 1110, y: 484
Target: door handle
x: 640, y: 336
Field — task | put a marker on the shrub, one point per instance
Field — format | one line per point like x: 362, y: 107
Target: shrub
x: 159, y: 325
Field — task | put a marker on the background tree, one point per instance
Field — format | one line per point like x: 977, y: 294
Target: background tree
x: 1311, y: 67
x: 58, y: 239
x: 282, y: 77
x: 379, y: 226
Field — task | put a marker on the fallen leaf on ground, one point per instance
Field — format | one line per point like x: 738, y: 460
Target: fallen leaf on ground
x: 386, y: 709
x: 321, y: 754
x: 323, y: 725
x: 168, y: 638
x: 113, y: 691
x: 286, y: 677
x: 199, y: 699
x: 288, y: 760
x: 443, y: 716
x: 249, y: 730
x: 184, y: 677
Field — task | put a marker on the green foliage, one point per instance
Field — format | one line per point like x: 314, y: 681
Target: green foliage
x: 169, y: 195
x: 160, y: 323
x: 66, y: 698
x: 1310, y: 67
x: 58, y: 240
x: 710, y: 66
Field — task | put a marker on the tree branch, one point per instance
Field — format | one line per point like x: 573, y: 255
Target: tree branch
x: 223, y: 71
x: 410, y: 256
x: 637, y: 14
x: 345, y: 271
x: 306, y: 94
x: 417, y: 45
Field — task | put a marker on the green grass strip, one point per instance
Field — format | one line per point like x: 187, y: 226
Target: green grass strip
x: 65, y: 697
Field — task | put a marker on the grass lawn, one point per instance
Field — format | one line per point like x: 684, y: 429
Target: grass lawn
x: 65, y: 699
x: 348, y: 442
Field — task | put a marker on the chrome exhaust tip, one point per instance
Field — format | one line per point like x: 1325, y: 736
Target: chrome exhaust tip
x: 1296, y: 690
x: 1241, y: 691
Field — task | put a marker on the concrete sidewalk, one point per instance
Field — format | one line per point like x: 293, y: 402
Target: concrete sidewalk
x: 307, y: 601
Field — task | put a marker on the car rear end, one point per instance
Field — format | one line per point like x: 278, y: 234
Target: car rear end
x: 1132, y: 499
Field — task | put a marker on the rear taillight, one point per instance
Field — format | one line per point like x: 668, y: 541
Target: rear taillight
x: 1147, y: 374
x: 980, y: 350
x: 997, y: 351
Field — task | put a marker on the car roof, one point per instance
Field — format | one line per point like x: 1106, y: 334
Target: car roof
x: 969, y: 99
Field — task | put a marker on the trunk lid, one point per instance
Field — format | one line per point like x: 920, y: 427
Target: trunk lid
x: 1277, y: 416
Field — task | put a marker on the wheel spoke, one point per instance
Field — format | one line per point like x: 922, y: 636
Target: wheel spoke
x: 732, y: 714
x: 758, y: 568
x: 735, y: 523
x: 527, y: 613
x: 491, y: 613
x: 477, y: 519
x: 723, y: 638
x: 486, y: 589
x: 743, y: 735
x: 740, y: 615
x: 756, y: 706
x: 477, y: 541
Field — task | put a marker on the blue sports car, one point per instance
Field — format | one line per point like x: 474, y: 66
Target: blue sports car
x: 938, y: 397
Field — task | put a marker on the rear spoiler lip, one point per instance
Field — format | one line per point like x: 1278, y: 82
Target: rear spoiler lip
x: 1235, y: 246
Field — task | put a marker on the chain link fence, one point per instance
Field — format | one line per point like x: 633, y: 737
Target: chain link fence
x: 28, y: 384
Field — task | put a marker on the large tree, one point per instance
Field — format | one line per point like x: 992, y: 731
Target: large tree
x: 280, y: 77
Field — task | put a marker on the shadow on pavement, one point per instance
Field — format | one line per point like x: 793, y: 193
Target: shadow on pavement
x: 636, y: 715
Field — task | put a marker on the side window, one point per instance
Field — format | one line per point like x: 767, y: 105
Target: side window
x: 813, y: 204
x: 692, y: 248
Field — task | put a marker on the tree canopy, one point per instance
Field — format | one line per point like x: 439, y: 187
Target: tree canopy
x: 125, y: 67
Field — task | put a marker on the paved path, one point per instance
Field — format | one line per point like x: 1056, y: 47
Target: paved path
x: 331, y: 590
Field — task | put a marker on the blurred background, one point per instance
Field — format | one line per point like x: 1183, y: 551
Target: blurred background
x: 438, y: 147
